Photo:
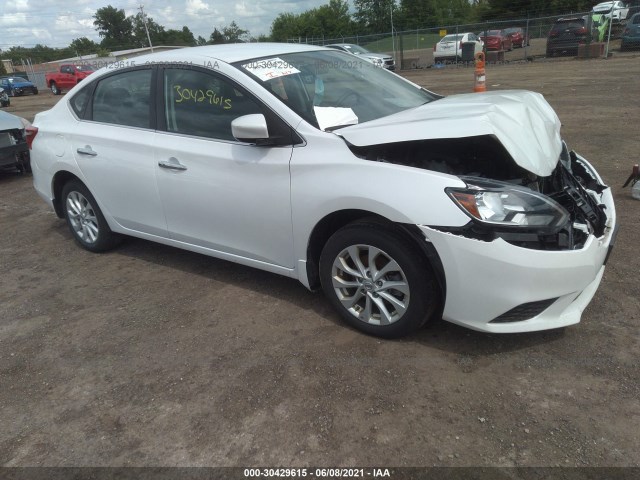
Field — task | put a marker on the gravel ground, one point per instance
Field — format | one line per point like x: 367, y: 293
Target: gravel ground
x: 152, y: 356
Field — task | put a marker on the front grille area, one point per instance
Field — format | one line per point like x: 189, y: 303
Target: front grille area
x: 524, y: 311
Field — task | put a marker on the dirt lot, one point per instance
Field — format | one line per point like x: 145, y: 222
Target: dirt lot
x: 151, y: 356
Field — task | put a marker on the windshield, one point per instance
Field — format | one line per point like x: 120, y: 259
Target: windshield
x: 17, y: 80
x: 356, y: 49
x: 331, y: 89
x: 84, y: 68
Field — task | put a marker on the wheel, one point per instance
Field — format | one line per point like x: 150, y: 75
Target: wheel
x: 11, y: 93
x: 35, y: 91
x: 85, y: 220
x: 377, y: 280
x: 54, y: 88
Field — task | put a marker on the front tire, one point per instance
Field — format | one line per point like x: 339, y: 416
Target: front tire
x: 377, y: 280
x: 85, y: 220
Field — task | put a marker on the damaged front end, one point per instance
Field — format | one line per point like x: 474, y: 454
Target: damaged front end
x: 502, y: 199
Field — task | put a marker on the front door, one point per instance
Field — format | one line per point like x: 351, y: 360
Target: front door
x: 218, y: 193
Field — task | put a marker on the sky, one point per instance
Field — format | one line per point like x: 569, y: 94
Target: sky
x: 55, y: 23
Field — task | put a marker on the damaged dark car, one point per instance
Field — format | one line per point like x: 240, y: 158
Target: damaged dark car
x: 14, y: 152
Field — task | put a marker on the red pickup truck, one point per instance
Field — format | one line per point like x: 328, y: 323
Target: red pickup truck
x: 68, y: 77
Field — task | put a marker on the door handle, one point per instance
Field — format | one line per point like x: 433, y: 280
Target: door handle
x: 172, y: 164
x: 87, y: 150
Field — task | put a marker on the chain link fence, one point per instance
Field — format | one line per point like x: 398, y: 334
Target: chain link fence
x: 414, y: 48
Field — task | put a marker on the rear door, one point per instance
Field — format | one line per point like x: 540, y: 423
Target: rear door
x: 113, y: 146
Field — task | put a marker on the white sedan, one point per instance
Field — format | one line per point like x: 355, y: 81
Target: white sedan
x: 450, y: 46
x: 401, y: 205
x: 616, y: 10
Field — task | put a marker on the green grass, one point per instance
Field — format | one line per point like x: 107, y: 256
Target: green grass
x: 410, y: 41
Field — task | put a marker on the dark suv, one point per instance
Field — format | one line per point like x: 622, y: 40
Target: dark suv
x: 566, y: 34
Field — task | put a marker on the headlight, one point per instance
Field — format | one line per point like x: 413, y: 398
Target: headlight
x: 377, y: 61
x: 507, y: 205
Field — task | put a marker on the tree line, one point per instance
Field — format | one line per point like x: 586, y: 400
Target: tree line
x: 332, y: 20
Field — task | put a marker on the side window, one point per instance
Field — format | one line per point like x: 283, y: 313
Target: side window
x: 66, y: 69
x: 79, y: 101
x: 201, y: 104
x: 124, y: 99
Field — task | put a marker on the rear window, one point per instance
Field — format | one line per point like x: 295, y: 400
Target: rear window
x: 568, y: 24
x: 451, y: 38
x: 635, y: 20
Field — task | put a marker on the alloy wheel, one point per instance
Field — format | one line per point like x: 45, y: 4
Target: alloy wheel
x: 370, y: 284
x: 82, y: 217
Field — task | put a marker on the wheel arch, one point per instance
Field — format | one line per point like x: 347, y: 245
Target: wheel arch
x: 57, y: 184
x: 334, y: 221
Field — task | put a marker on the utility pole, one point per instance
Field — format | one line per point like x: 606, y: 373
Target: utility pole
x: 144, y: 20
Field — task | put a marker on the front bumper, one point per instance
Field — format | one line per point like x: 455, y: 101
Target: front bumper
x: 486, y: 280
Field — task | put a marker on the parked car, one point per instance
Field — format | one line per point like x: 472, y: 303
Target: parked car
x: 402, y: 205
x: 378, y: 59
x: 14, y: 152
x: 519, y: 37
x: 566, y: 35
x: 615, y: 10
x: 15, y: 86
x: 497, y: 40
x: 631, y: 33
x: 5, y: 101
x: 67, y: 77
x: 450, y: 46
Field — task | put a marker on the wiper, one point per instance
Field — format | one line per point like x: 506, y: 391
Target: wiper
x: 336, y: 127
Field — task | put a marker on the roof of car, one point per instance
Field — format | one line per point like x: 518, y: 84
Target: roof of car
x: 229, y: 53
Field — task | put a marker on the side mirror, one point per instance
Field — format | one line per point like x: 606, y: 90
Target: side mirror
x: 251, y: 129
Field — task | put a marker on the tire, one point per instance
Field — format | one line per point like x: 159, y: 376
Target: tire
x: 54, y: 89
x: 394, y: 298
x: 35, y: 91
x: 85, y: 220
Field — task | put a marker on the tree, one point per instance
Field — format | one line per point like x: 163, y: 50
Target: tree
x: 115, y: 28
x: 329, y: 21
x: 156, y: 32
x: 216, y: 37
x: 418, y: 13
x: 182, y: 37
x: 285, y: 26
x: 234, y: 34
x: 83, y: 46
x: 201, y: 40
x: 374, y: 16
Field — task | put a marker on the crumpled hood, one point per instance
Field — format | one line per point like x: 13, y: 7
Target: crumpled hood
x: 523, y: 121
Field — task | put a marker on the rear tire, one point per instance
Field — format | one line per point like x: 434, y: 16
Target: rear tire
x: 85, y: 220
x: 54, y: 88
x: 378, y: 280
